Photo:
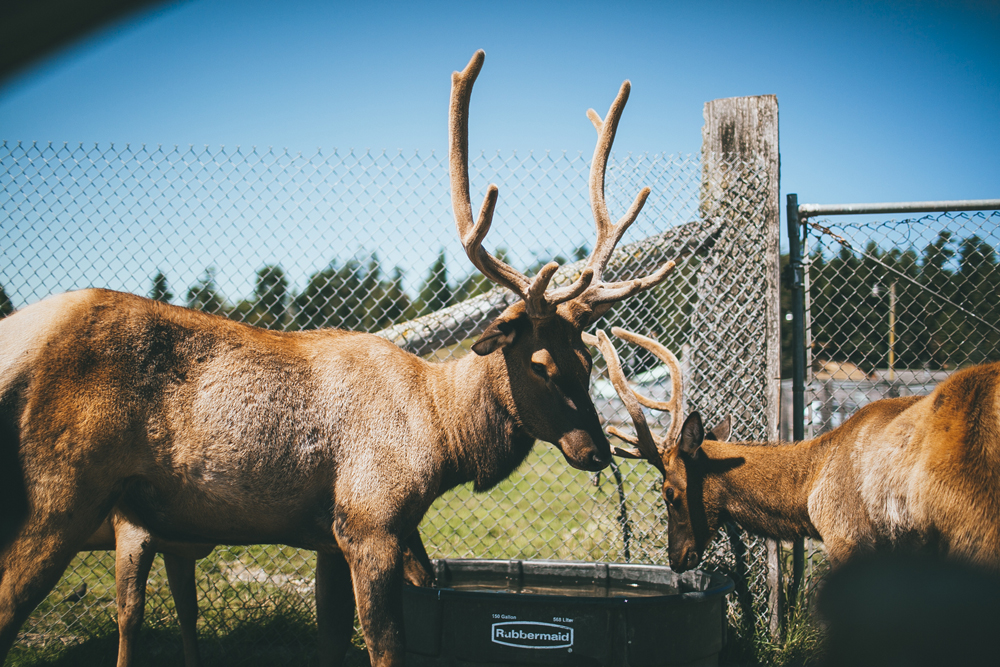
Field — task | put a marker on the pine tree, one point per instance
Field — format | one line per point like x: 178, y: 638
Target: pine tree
x: 161, y: 290
x: 6, y: 307
x: 333, y: 298
x: 435, y: 293
x: 978, y: 292
x: 204, y: 295
x: 271, y: 296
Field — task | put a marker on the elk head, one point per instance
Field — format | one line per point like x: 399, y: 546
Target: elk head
x: 692, y: 523
x: 547, y: 364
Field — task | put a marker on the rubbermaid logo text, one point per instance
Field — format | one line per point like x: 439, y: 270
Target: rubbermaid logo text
x: 532, y: 634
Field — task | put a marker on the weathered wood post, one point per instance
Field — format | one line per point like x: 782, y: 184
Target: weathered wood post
x: 740, y: 183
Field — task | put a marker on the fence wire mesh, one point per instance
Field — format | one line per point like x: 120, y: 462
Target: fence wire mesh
x: 365, y: 241
x: 896, y: 306
x: 893, y: 307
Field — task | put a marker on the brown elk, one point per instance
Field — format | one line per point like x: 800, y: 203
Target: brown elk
x: 211, y: 431
x: 919, y: 473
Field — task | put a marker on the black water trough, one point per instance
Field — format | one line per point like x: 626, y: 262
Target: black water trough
x: 500, y: 612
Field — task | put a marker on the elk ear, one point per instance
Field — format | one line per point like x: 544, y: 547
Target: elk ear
x: 722, y: 429
x: 692, y: 434
x: 501, y: 332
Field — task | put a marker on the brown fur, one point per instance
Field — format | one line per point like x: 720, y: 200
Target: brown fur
x: 134, y: 549
x: 903, y: 474
x: 210, y: 431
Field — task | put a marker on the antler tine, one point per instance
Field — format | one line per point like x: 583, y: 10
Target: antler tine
x: 538, y: 302
x: 541, y: 302
x: 630, y: 453
x: 608, y: 293
x: 473, y: 232
x: 608, y: 234
x: 674, y: 406
x: 648, y: 447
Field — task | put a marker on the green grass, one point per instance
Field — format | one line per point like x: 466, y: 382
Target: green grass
x: 802, y: 643
x: 256, y: 606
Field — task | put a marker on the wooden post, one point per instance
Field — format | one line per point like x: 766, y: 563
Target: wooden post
x: 740, y: 184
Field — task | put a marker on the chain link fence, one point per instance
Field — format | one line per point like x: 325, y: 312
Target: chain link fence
x: 365, y: 241
x: 893, y: 307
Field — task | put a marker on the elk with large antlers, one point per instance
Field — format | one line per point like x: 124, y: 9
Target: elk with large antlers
x: 903, y: 474
x: 208, y: 430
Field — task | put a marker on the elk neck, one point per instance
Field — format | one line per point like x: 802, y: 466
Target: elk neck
x: 764, y: 487
x: 483, y: 439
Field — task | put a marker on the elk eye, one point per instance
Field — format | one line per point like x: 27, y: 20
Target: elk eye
x: 543, y: 365
x: 540, y: 370
x: 669, y: 493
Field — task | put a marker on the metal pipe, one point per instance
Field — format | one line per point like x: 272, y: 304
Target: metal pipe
x: 623, y: 513
x: 798, y: 318
x: 796, y: 285
x: 813, y: 210
x: 892, y: 331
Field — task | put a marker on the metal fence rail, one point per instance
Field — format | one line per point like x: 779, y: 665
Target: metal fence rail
x: 888, y: 307
x: 366, y: 241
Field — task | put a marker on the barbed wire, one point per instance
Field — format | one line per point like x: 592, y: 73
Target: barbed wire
x: 908, y: 279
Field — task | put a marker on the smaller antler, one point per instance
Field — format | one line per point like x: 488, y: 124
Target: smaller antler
x: 648, y: 446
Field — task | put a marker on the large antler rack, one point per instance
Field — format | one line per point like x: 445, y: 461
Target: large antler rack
x: 647, y: 445
x: 588, y: 288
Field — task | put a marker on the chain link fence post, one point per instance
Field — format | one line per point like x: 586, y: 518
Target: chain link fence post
x: 795, y: 283
x: 741, y: 130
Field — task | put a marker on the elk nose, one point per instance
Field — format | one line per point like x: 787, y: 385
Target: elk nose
x: 599, y: 461
x: 690, y: 559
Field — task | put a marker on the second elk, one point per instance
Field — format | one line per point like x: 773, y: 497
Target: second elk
x: 917, y: 473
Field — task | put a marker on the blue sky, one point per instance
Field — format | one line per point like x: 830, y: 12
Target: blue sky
x: 878, y: 101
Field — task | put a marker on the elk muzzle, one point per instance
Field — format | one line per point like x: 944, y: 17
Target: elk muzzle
x: 688, y: 559
x: 582, y: 452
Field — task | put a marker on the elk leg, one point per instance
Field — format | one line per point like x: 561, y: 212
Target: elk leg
x: 35, y: 559
x: 180, y: 577
x: 376, y: 561
x: 334, y: 607
x: 417, y: 568
x: 134, y: 555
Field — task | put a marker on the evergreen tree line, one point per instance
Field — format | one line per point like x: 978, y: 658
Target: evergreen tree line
x: 947, y: 298
x: 946, y: 302
x: 355, y: 295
